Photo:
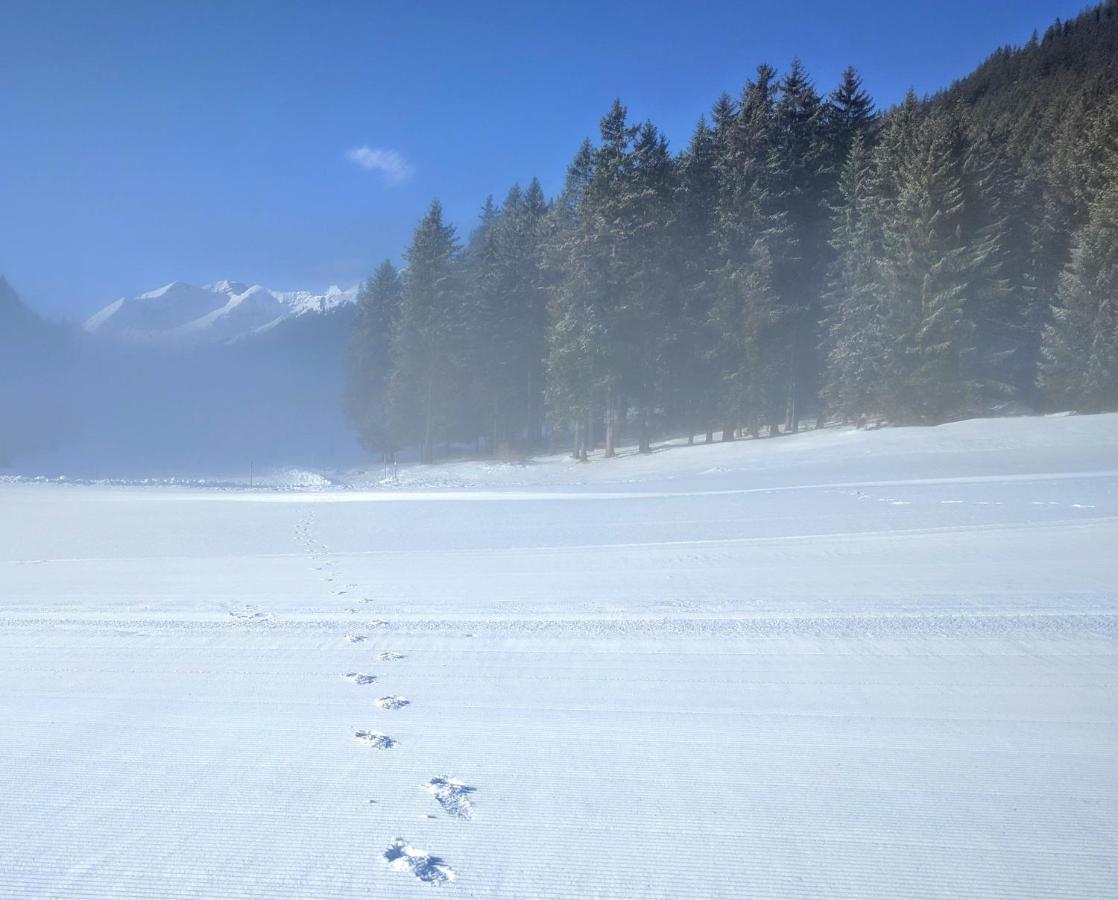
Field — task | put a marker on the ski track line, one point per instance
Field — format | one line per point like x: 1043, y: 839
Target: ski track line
x: 471, y: 495
x: 1082, y: 523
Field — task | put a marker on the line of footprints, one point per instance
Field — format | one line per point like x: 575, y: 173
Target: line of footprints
x: 451, y: 794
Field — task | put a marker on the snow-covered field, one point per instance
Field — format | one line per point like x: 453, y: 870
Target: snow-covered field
x: 838, y: 664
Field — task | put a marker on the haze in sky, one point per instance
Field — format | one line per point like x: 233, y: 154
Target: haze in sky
x: 297, y: 145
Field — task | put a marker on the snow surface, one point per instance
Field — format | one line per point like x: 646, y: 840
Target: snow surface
x: 839, y: 664
x: 213, y: 313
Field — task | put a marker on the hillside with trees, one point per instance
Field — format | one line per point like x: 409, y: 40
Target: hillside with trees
x: 804, y: 259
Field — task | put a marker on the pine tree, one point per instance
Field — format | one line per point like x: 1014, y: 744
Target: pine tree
x: 855, y: 338
x: 651, y: 285
x: 1080, y: 363
x: 524, y: 234
x: 927, y: 270
x: 690, y: 392
x: 511, y: 326
x: 610, y: 226
x: 485, y: 334
x: 755, y: 375
x: 848, y: 115
x: 751, y: 227
x: 1002, y: 291
x: 369, y: 357
x: 608, y: 332
x: 425, y: 391
x: 801, y: 164
x: 575, y: 336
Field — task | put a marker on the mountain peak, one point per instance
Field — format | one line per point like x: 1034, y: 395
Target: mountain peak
x: 226, y: 286
x: 219, y: 312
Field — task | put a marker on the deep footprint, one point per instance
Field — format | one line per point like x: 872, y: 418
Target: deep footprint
x: 389, y: 656
x: 393, y: 701
x: 404, y: 858
x: 359, y: 677
x: 355, y: 638
x: 452, y: 795
x: 375, y: 740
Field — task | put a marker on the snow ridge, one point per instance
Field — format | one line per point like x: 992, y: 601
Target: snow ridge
x: 220, y: 312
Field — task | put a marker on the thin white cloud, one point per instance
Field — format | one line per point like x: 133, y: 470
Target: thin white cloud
x: 392, y: 165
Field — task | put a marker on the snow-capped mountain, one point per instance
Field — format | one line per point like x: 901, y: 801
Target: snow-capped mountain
x: 221, y: 312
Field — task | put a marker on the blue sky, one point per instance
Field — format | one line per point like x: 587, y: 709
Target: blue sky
x: 296, y: 144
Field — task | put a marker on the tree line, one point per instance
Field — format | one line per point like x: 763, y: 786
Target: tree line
x: 803, y: 259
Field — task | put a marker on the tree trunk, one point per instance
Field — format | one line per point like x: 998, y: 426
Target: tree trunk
x: 427, y: 451
x: 611, y: 422
x: 710, y: 436
x: 727, y: 433
x: 645, y: 436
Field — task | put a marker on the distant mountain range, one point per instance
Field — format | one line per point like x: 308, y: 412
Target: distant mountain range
x: 18, y: 324
x: 218, y: 313
x: 256, y: 375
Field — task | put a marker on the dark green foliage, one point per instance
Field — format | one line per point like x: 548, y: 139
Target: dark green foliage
x: 511, y: 319
x: 429, y: 361
x: 1080, y: 365
x: 370, y: 363
x: 690, y: 365
x: 928, y: 270
x: 803, y: 256
x: 848, y: 116
x: 751, y: 319
x: 856, y: 340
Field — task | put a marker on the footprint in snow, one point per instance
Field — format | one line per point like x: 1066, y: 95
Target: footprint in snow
x: 392, y: 701
x: 355, y: 638
x: 375, y: 740
x: 248, y: 614
x: 389, y: 656
x: 402, y: 857
x: 452, y: 795
x: 359, y: 677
